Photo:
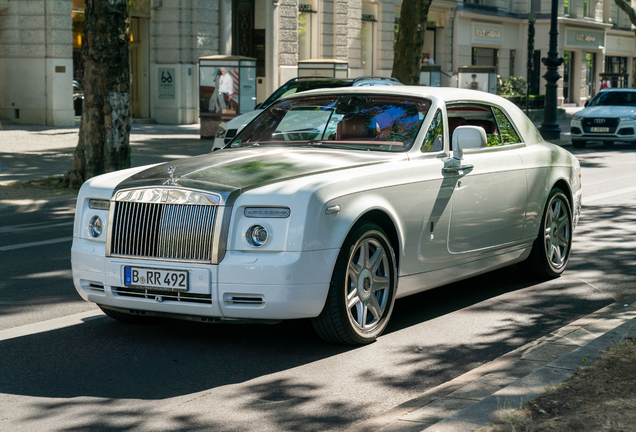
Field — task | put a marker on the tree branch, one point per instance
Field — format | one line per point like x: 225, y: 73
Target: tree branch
x: 627, y: 9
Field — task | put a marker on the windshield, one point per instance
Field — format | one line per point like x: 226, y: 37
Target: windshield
x: 362, y: 122
x: 300, y: 86
x: 615, y: 98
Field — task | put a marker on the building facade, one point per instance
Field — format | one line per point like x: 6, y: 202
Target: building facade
x: 41, y: 40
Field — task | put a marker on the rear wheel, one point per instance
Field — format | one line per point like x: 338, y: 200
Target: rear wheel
x: 362, y: 289
x: 578, y: 143
x: 551, y: 250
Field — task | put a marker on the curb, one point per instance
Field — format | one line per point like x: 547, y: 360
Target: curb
x: 30, y: 205
x: 474, y: 399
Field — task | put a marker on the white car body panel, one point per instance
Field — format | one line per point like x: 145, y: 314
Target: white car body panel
x: 447, y: 227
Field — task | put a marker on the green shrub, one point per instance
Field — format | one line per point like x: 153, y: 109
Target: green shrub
x: 513, y: 86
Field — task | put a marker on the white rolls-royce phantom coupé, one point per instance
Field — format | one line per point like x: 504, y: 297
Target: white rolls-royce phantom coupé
x: 330, y: 205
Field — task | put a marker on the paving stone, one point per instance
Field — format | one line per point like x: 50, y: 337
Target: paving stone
x: 550, y: 352
x: 402, y: 426
x: 482, y: 388
x: 452, y: 426
x: 519, y: 369
x: 583, y: 356
x: 513, y: 396
x: 438, y: 410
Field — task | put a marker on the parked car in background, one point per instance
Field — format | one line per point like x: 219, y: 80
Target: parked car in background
x: 330, y: 205
x: 609, y: 117
x: 228, y: 130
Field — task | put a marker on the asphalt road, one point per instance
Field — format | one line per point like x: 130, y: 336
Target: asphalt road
x: 61, y: 371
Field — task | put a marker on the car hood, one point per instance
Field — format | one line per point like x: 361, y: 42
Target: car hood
x: 241, y: 120
x: 233, y: 171
x: 607, y: 111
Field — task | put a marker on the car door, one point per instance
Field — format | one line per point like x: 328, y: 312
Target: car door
x: 489, y: 198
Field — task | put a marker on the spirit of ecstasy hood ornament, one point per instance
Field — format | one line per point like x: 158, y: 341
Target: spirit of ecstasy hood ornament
x: 171, y: 180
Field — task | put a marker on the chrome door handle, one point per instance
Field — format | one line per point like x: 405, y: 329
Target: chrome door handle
x: 461, y: 169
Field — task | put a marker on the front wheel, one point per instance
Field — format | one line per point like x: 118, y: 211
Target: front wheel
x: 551, y: 250
x: 362, y: 289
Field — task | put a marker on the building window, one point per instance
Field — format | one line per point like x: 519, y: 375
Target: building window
x: 77, y: 19
x: 306, y: 25
x: 615, y: 64
x: 566, y: 7
x: 485, y: 57
x: 366, y: 38
x: 587, y: 8
x: 535, y: 5
x: 513, y: 55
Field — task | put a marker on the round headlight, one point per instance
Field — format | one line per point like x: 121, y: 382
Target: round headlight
x: 256, y: 236
x: 95, y: 226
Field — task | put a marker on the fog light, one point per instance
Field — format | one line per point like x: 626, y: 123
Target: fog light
x: 256, y: 236
x: 95, y: 226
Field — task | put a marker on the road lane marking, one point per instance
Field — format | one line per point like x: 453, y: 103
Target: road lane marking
x: 38, y: 243
x: 31, y: 227
x: 608, y: 194
x: 52, y: 324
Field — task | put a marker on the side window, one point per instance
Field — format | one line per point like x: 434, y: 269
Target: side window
x: 474, y: 115
x: 434, y: 139
x: 507, y: 131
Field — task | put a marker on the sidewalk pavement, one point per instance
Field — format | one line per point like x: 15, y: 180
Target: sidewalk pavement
x: 461, y: 405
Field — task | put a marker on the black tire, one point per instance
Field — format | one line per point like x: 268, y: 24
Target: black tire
x: 578, y: 144
x: 124, y: 317
x: 356, y: 312
x: 548, y: 257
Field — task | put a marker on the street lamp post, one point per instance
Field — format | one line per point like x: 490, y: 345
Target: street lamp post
x: 550, y: 129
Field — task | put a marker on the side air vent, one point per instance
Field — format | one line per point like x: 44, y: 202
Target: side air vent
x: 243, y: 300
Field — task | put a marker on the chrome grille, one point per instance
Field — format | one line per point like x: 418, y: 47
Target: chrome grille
x: 163, y: 231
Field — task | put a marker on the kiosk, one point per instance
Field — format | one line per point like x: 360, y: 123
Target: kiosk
x: 227, y: 88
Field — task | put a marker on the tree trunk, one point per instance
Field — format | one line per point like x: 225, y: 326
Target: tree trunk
x: 103, y: 144
x: 410, y: 41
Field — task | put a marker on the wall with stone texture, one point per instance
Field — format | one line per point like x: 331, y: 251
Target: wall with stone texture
x: 181, y: 31
x: 36, y: 62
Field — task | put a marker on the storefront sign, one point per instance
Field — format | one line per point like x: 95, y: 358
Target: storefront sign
x: 487, y: 34
x: 166, y: 83
x: 585, y: 38
x: 619, y: 45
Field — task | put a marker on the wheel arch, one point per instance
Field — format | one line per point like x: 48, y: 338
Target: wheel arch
x: 567, y: 190
x: 388, y: 225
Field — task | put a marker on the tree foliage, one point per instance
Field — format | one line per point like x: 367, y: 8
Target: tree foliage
x: 410, y: 41
x: 103, y: 144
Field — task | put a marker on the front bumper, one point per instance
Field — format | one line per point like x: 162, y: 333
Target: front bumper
x: 248, y: 286
x: 624, y: 131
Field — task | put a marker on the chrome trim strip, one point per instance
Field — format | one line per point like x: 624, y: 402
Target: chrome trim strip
x: 109, y: 230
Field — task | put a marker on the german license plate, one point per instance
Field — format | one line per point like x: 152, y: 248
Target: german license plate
x: 169, y: 280
x: 599, y: 129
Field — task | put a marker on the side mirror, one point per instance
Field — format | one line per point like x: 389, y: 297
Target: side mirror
x: 467, y: 137
x: 587, y: 102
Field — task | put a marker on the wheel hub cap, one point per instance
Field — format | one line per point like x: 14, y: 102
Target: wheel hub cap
x: 364, y: 284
